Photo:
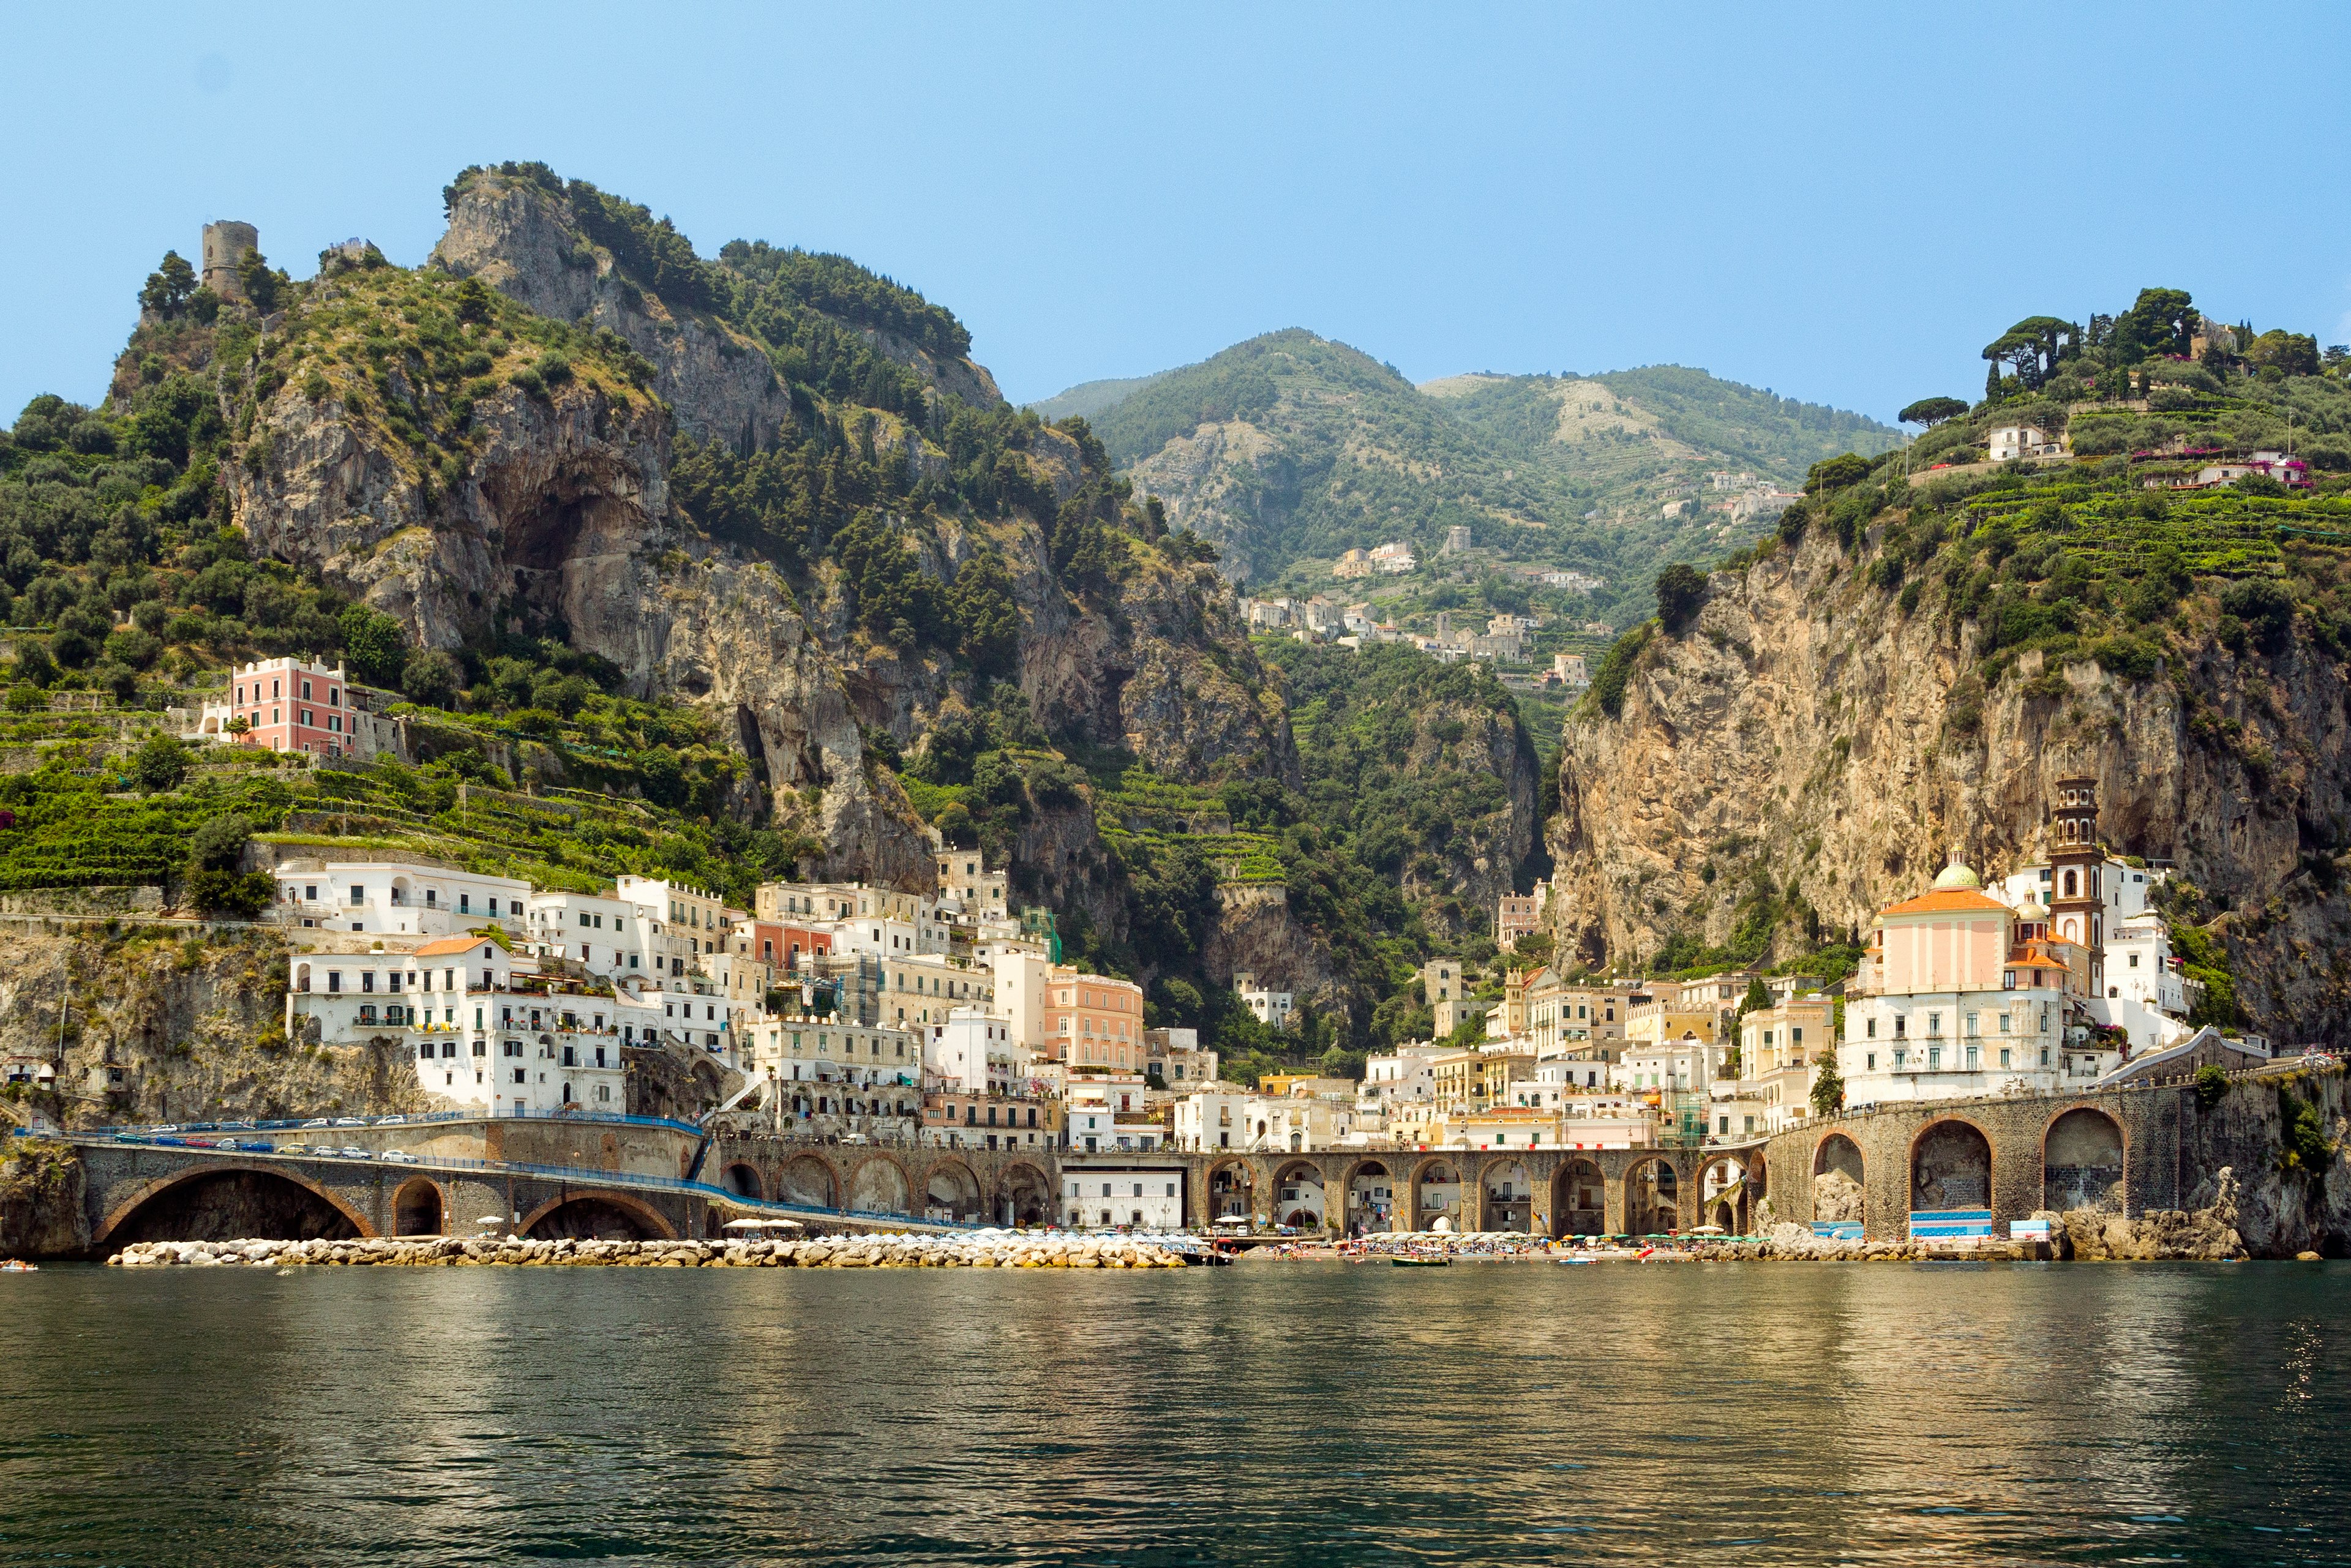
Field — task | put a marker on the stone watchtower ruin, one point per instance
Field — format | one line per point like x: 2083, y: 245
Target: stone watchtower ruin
x: 227, y: 243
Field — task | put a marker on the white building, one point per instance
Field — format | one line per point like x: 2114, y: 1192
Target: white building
x: 2148, y: 996
x: 1959, y: 996
x: 1213, y: 1118
x: 609, y: 936
x: 395, y: 898
x: 1266, y: 1004
x: 1405, y: 1076
x: 479, y: 1040
x: 973, y: 1050
x: 2011, y: 442
x: 696, y: 918
x: 1145, y: 1199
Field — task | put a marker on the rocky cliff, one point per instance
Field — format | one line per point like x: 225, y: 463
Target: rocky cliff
x: 545, y: 503
x: 162, y: 1026
x: 1811, y: 736
x: 526, y: 242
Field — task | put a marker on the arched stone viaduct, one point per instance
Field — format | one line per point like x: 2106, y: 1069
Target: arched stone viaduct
x: 1547, y: 1192
x: 959, y: 1185
x: 138, y: 1192
x: 1990, y: 1161
x: 2117, y: 1151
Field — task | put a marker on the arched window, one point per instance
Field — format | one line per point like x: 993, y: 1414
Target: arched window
x: 2073, y: 883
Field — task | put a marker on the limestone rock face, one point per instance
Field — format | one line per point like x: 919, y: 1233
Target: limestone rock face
x: 160, y: 1030
x: 565, y: 508
x: 1256, y: 932
x: 1804, y: 728
x: 523, y: 241
x: 1201, y: 478
x: 41, y: 1188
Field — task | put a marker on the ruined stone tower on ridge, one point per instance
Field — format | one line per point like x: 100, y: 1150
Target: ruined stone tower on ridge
x: 227, y: 243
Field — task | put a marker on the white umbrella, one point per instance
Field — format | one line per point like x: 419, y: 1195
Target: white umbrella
x: 491, y: 1220
x: 1708, y: 1230
x: 1234, y: 1219
x: 746, y: 1225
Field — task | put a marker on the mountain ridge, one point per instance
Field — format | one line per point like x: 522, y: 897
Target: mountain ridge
x: 1291, y: 446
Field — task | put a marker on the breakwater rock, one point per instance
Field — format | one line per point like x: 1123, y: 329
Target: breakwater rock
x: 1000, y: 1250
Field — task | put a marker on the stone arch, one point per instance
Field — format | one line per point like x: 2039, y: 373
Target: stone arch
x: 1652, y: 1196
x: 808, y: 1180
x: 1300, y: 1197
x: 1232, y: 1189
x: 1722, y: 1193
x: 742, y: 1178
x: 1437, y: 1191
x: 1579, y: 1201
x: 243, y: 1202
x: 1950, y: 1168
x: 1839, y: 1192
x: 1509, y: 1195
x: 879, y: 1185
x: 1024, y: 1196
x: 601, y: 1215
x: 1371, y: 1198
x: 419, y: 1210
x: 951, y: 1192
x: 2082, y: 1163
x: 707, y: 1080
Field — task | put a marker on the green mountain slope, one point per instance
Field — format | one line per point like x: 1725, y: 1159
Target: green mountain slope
x: 1290, y: 449
x: 1090, y: 400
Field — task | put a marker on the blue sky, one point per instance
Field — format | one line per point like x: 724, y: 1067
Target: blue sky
x: 1843, y: 203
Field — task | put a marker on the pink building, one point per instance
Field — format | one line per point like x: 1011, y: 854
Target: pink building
x: 289, y: 705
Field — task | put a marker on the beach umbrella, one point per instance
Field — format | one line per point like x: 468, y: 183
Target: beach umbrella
x: 746, y: 1225
x: 1708, y: 1230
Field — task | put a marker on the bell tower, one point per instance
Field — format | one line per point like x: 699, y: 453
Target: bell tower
x: 2077, y: 902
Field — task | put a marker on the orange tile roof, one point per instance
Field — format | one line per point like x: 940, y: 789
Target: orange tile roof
x: 450, y: 945
x: 1947, y: 901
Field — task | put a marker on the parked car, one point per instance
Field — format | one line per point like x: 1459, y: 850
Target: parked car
x: 354, y: 1154
x: 294, y: 1149
x: 258, y: 1148
x: 317, y: 1121
x: 165, y: 1127
x: 173, y: 1143
x: 398, y: 1156
x: 228, y: 1126
x: 350, y: 1122
x: 390, y: 1121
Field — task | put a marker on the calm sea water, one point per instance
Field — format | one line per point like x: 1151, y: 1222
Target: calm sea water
x: 1266, y: 1414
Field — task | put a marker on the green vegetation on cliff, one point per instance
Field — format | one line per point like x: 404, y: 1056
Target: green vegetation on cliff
x: 2173, y: 545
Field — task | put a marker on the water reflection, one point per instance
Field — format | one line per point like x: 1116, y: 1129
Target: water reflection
x: 1266, y: 1414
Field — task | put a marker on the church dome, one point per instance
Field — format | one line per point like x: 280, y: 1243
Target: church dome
x: 1955, y: 876
x: 2031, y: 909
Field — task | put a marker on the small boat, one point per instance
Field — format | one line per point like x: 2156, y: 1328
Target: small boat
x: 1402, y: 1262
x: 18, y: 1266
x: 1571, y: 1258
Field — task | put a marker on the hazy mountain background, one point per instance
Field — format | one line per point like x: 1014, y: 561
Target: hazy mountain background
x: 1290, y: 449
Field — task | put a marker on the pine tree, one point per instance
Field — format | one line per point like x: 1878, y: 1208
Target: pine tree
x: 169, y: 287
x: 1828, y: 1085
